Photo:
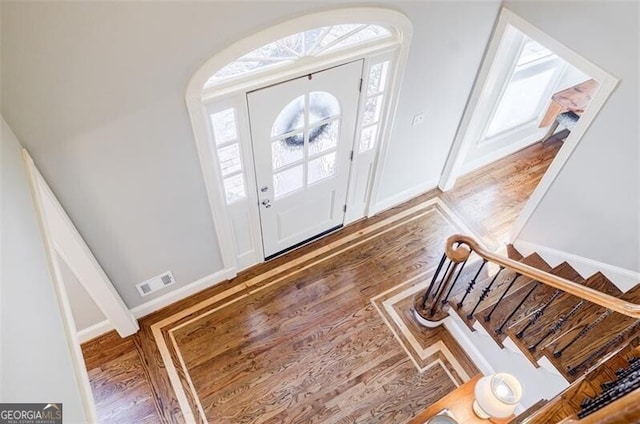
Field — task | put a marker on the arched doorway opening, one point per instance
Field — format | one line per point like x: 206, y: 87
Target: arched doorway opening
x: 253, y: 174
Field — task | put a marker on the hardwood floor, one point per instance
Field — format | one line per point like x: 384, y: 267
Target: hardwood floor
x: 308, y: 337
x: 491, y: 198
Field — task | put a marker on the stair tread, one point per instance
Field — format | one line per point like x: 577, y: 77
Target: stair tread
x: 569, y: 401
x: 510, y: 302
x: 513, y: 253
x: 601, y: 338
x: 583, y: 319
x: 502, y: 280
x: 561, y: 307
x: 483, y: 281
x: 632, y: 295
x: 555, y: 302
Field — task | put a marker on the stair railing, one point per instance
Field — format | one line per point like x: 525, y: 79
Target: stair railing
x: 458, y: 249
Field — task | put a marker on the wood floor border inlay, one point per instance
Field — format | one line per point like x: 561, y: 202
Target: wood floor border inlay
x: 163, y: 331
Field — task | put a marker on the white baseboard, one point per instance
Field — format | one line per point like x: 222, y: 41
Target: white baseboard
x: 158, y: 303
x: 94, y: 331
x: 501, y: 153
x: 623, y: 278
x: 403, y: 196
x: 181, y: 293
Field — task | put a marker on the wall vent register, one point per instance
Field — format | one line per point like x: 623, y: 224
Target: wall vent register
x: 156, y: 283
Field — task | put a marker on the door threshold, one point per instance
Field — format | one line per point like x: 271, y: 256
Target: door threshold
x: 304, y: 242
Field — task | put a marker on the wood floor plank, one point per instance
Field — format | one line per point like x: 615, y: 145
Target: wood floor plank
x: 311, y: 347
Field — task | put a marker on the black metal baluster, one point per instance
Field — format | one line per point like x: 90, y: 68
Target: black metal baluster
x: 433, y: 280
x: 538, y: 313
x: 487, y: 318
x: 500, y: 329
x: 585, y: 330
x: 446, y: 272
x: 574, y: 369
x: 633, y: 366
x: 558, y: 325
x: 471, y: 284
x: 446, y: 279
x: 446, y: 298
x: 485, y: 293
x: 617, y: 390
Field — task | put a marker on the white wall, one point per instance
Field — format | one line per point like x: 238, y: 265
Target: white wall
x: 35, y: 362
x: 593, y: 208
x: 96, y: 93
x: 85, y: 311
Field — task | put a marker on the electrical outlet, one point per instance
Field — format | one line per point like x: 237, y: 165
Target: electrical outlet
x: 417, y: 119
x: 156, y: 283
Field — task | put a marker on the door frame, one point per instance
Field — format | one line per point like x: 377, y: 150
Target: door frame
x: 197, y: 97
x: 461, y: 144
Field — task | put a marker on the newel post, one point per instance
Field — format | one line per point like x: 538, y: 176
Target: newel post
x: 430, y: 307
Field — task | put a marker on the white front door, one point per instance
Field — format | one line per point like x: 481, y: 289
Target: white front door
x: 302, y: 133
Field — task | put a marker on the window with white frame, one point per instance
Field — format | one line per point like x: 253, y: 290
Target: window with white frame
x: 535, y: 72
x: 313, y: 42
x: 227, y: 141
x: 374, y: 102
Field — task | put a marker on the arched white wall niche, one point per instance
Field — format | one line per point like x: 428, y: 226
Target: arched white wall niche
x: 219, y: 114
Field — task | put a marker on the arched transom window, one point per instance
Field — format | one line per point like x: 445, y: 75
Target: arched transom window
x: 313, y: 42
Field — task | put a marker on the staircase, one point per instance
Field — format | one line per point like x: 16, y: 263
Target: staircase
x: 616, y: 376
x: 546, y: 324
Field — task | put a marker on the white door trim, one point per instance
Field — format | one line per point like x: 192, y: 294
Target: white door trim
x: 461, y: 144
x: 195, y: 96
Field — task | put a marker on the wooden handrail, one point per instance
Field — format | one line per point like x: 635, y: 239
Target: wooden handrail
x: 457, y: 252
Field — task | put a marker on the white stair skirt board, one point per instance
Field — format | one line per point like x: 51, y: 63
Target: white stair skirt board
x: 623, y: 278
x: 537, y: 383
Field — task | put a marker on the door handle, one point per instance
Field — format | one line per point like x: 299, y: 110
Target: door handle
x: 264, y: 189
x: 266, y: 203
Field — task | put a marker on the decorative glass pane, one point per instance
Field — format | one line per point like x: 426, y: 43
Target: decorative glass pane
x: 377, y: 78
x: 321, y: 168
x: 311, y: 37
x: 224, y: 126
x: 338, y: 31
x: 290, y: 118
x: 372, y: 109
x: 324, y: 137
x: 287, y: 150
x: 368, y: 138
x: 308, y: 43
x: 229, y: 158
x: 235, y: 68
x: 294, y: 43
x: 273, y: 52
x: 288, y: 181
x: 234, y: 188
x: 322, y: 105
x: 368, y: 33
